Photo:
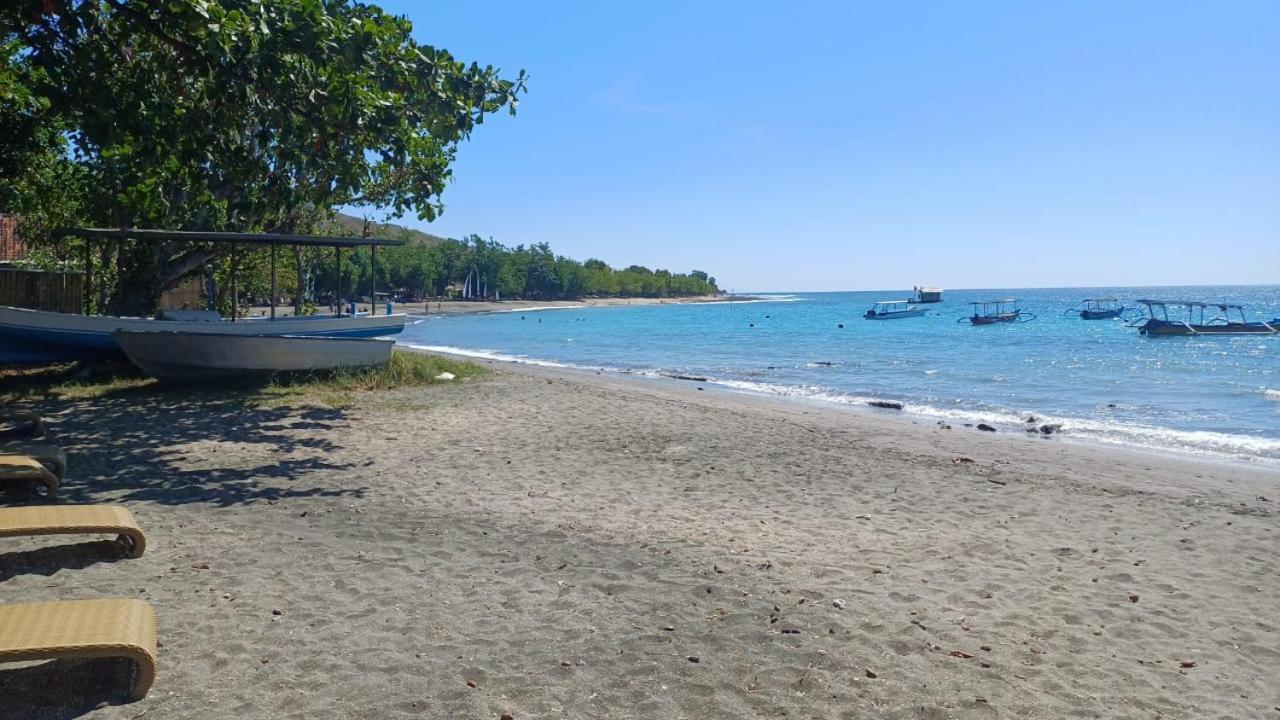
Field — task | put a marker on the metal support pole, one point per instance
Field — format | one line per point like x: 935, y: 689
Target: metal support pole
x: 273, y: 281
x: 337, y: 279
x: 373, y: 280
x: 88, y: 274
x: 235, y: 298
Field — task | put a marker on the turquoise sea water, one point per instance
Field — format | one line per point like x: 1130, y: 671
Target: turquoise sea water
x: 1100, y: 379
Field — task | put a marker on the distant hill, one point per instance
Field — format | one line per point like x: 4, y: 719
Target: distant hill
x: 354, y: 226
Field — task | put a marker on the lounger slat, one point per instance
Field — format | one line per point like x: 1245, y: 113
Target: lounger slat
x: 74, y: 520
x: 21, y: 468
x: 83, y: 629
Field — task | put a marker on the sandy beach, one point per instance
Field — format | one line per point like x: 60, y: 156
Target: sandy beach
x: 550, y: 544
x: 468, y: 307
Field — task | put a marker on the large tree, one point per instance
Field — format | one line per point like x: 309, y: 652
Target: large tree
x: 227, y: 115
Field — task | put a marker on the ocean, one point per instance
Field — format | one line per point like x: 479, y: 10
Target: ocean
x: 1100, y: 380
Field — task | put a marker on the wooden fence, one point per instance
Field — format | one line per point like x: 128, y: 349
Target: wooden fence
x: 40, y: 290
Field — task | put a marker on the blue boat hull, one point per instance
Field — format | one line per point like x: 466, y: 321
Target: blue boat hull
x: 35, y: 337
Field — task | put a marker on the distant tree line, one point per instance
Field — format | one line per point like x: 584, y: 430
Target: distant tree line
x: 471, y: 267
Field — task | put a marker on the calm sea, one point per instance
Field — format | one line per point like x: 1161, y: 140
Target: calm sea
x: 1100, y: 379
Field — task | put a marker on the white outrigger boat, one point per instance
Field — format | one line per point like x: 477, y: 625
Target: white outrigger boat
x: 188, y: 356
x: 37, y: 336
x: 893, y: 310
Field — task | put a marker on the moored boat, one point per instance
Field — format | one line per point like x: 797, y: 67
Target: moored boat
x: 894, y: 309
x: 1099, y: 309
x: 1194, y: 323
x: 927, y: 295
x: 991, y: 312
x: 185, y: 356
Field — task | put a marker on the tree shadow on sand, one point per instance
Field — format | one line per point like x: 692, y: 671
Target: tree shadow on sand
x: 122, y: 445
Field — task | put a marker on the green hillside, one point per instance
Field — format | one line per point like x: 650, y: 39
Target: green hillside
x: 354, y: 226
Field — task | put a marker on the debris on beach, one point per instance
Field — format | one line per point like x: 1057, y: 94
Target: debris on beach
x: 886, y: 404
x: 985, y: 427
x: 961, y: 460
x: 446, y: 376
x: 693, y: 378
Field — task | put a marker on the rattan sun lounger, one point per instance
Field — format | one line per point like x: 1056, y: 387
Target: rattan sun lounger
x: 49, y: 455
x: 75, y: 520
x: 21, y: 425
x: 83, y: 629
x: 22, y: 470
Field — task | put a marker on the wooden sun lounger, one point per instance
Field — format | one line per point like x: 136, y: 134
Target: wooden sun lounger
x: 75, y: 520
x: 48, y: 454
x: 77, y: 629
x: 22, y: 470
x: 21, y: 425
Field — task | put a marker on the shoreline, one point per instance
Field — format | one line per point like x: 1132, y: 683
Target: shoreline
x: 476, y: 307
x: 862, y: 407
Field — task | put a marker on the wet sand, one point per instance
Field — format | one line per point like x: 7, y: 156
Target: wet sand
x: 550, y: 544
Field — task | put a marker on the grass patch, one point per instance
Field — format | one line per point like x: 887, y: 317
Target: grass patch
x: 339, y: 387
x: 71, y: 382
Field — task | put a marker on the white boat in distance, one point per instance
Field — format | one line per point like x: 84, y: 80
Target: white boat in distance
x: 186, y: 356
x: 894, y: 309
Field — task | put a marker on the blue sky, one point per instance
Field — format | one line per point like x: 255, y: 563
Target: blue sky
x: 831, y: 146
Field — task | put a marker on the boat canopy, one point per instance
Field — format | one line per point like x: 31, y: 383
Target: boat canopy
x: 223, y: 237
x: 893, y: 302
x: 1192, y: 304
x: 994, y: 302
x: 274, y: 240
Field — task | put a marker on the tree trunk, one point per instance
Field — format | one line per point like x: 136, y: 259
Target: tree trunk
x: 144, y: 271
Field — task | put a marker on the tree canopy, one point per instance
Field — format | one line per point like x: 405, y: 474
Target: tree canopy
x: 223, y: 115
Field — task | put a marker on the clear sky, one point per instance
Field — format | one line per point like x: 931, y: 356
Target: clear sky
x: 839, y: 145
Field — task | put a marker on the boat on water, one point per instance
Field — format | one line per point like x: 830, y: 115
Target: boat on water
x: 36, y: 336
x: 925, y: 295
x: 1193, y: 320
x: 991, y: 312
x: 175, y: 356
x: 1099, y: 309
x: 894, y: 309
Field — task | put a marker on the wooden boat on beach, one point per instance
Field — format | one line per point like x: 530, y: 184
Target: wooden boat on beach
x: 187, y: 356
x: 37, y: 336
x: 1099, y: 309
x: 1194, y: 323
x: 34, y: 336
x: 991, y: 312
x: 893, y: 310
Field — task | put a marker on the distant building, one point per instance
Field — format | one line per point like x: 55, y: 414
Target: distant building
x: 11, y: 248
